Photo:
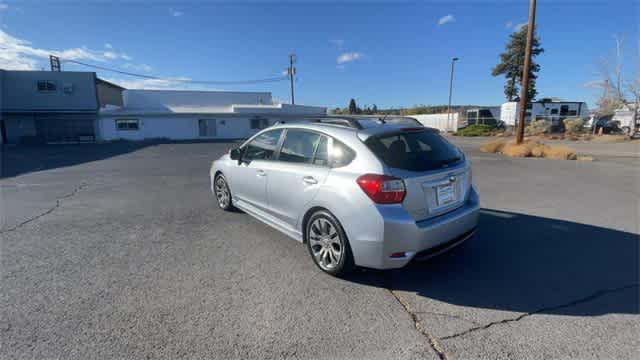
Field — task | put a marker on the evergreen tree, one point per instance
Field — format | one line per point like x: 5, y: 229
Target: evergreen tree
x: 374, y: 109
x: 353, y: 108
x: 512, y: 62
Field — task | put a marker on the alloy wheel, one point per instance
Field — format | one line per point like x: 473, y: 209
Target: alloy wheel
x: 325, y: 243
x: 222, y: 192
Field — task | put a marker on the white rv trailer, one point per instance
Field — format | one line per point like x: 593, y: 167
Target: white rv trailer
x: 552, y: 110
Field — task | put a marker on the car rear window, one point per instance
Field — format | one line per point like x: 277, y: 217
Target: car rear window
x: 414, y: 151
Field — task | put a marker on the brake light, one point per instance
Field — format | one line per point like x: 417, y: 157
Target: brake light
x: 382, y: 189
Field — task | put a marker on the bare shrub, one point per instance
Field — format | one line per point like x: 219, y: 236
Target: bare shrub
x: 573, y: 126
x: 537, y: 149
x: 493, y: 146
x: 560, y: 153
x: 537, y: 127
x: 516, y: 150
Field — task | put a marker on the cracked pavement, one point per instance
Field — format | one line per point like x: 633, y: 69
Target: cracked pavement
x: 118, y: 251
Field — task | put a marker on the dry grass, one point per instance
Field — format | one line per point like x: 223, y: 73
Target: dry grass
x: 529, y: 149
x: 516, y: 150
x: 537, y: 149
x: 493, y: 146
x: 560, y: 153
x: 610, y: 139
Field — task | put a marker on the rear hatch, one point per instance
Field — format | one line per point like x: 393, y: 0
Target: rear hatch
x: 436, y: 175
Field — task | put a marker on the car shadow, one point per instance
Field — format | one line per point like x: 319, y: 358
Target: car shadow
x: 22, y: 159
x: 524, y: 263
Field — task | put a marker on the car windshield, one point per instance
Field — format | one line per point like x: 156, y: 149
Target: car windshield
x: 414, y: 151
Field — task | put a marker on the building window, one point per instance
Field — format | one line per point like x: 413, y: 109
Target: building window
x: 554, y: 111
x: 529, y: 106
x: 259, y: 123
x: 564, y: 110
x: 127, y: 124
x: 67, y: 89
x: 46, y: 85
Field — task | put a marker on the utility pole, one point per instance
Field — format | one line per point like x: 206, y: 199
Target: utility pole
x: 453, y: 61
x: 525, y: 73
x: 54, y: 61
x: 291, y: 72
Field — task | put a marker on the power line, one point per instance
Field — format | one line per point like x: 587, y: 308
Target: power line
x: 208, y: 82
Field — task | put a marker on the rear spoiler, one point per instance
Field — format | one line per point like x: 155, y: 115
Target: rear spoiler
x: 371, y: 132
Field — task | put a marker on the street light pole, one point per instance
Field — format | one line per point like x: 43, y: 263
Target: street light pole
x: 453, y: 61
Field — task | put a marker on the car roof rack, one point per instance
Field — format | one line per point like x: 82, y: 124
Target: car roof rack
x: 341, y: 120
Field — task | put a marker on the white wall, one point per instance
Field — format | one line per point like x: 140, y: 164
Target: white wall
x: 439, y: 121
x: 509, y: 113
x: 167, y: 99
x: 175, y: 127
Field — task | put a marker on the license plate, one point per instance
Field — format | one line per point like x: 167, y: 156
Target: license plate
x: 445, y: 194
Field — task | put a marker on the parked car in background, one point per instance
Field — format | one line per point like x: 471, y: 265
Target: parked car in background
x: 356, y: 192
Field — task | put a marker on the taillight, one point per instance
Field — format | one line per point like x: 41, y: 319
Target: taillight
x: 382, y: 189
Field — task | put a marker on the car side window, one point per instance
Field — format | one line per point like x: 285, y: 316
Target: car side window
x: 263, y: 146
x: 340, y: 154
x: 299, y: 146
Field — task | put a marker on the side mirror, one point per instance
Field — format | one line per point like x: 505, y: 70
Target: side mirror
x: 235, y: 154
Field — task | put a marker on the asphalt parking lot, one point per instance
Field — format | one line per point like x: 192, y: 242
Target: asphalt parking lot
x: 118, y: 251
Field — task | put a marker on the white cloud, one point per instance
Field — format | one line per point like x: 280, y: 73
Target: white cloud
x: 3, y: 6
x: 175, y: 13
x: 510, y: 25
x: 349, y: 57
x: 137, y: 67
x: 337, y: 42
x: 595, y: 84
x: 446, y: 19
x: 114, y: 55
x: 108, y: 46
x: 19, y: 54
x: 517, y: 27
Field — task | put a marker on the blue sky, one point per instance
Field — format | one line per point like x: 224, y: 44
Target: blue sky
x: 392, y: 54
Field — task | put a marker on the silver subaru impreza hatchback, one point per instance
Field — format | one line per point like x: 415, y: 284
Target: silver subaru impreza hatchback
x: 357, y: 192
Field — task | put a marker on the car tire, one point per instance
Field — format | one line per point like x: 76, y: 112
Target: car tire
x: 328, y: 244
x: 222, y: 193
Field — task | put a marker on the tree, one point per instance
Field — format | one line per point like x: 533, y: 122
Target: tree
x: 612, y: 96
x: 512, y: 62
x: 353, y: 108
x: 374, y: 109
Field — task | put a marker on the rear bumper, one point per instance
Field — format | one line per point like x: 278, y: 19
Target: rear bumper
x: 419, y: 240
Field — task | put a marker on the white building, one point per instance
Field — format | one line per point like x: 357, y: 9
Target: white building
x: 553, y: 110
x: 182, y: 115
x: 443, y: 121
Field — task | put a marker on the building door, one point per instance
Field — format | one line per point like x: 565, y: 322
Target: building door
x: 65, y: 127
x: 207, y: 128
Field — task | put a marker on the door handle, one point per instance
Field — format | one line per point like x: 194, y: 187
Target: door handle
x: 310, y: 180
x: 261, y: 173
